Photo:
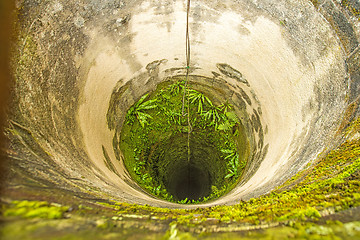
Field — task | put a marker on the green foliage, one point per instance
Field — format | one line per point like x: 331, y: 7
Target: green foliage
x: 216, y: 192
x: 137, y: 111
x: 198, y: 98
x: 177, y: 87
x: 332, y: 184
x: 184, y: 201
x: 233, y: 162
x: 225, y: 107
x: 230, y: 121
x: 35, y: 209
x: 303, y: 214
x: 165, y: 111
x: 173, y: 115
x: 213, y: 114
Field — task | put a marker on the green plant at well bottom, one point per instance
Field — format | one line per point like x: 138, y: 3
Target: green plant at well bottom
x: 140, y: 140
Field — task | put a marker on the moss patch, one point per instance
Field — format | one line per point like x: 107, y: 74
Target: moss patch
x: 330, y: 186
x: 296, y: 210
x: 34, y: 209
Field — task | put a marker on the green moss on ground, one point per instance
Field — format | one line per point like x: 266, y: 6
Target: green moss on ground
x: 330, y: 186
x: 134, y: 227
x: 353, y: 128
x: 310, y: 231
x: 296, y: 210
x: 34, y: 209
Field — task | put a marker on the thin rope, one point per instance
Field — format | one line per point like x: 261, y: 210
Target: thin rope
x: 186, y: 88
x: 187, y: 46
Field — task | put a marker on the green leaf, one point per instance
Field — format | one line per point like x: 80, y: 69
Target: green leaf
x: 225, y: 107
x: 226, y: 151
x: 200, y: 107
x: 231, y: 155
x: 141, y: 99
x: 184, y: 201
x: 142, y: 117
x: 224, y: 126
x: 230, y: 175
x: 242, y: 164
x: 148, y: 105
x: 200, y: 98
x: 208, y: 100
x: 232, y: 117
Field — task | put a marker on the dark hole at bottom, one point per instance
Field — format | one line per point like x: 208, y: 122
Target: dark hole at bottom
x: 190, y: 182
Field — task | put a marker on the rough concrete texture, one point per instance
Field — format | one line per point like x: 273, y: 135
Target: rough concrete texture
x: 291, y: 68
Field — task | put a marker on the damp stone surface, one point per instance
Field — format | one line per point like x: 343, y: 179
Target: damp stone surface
x: 290, y: 71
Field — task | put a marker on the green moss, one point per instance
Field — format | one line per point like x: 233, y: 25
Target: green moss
x: 34, y: 209
x: 28, y: 50
x: 332, y: 184
x: 328, y: 185
x: 61, y: 229
x: 303, y: 214
x: 354, y: 127
x: 174, y: 233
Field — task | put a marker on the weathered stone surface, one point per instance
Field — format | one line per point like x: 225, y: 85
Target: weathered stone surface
x: 341, y: 25
x: 353, y: 65
x: 74, y: 60
x: 353, y: 6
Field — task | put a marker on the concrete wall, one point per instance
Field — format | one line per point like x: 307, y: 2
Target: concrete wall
x: 290, y: 67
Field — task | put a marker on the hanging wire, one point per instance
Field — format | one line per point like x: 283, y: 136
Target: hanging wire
x: 186, y: 88
x: 187, y: 47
